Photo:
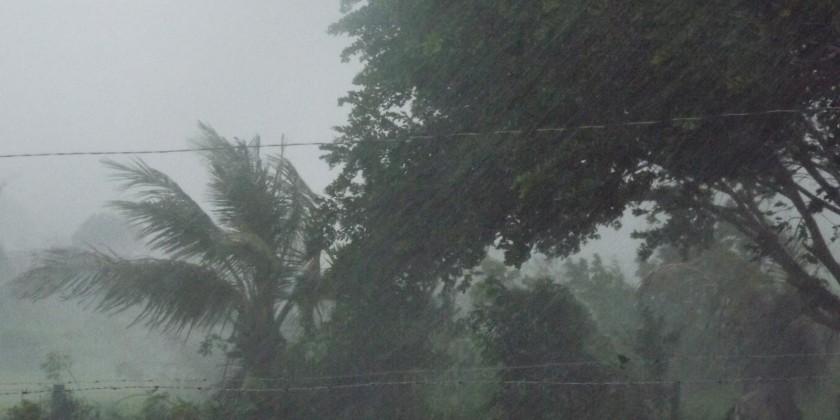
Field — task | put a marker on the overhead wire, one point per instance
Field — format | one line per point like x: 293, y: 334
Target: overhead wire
x: 459, y: 134
x: 462, y: 134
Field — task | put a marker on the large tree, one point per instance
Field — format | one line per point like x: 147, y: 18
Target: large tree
x: 719, y: 302
x: 543, y: 325
x: 245, y: 264
x: 509, y: 77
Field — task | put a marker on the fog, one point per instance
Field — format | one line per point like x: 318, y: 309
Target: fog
x: 117, y: 76
x: 103, y: 75
x: 124, y: 76
x: 129, y: 76
x: 739, y: 297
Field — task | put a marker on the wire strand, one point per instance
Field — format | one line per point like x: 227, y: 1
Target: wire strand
x: 455, y: 370
x: 458, y: 382
x: 464, y: 134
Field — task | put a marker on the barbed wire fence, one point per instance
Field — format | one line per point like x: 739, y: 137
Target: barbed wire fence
x: 460, y: 382
x: 414, y: 378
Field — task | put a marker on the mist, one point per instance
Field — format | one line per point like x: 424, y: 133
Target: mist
x: 119, y: 76
x: 123, y: 76
x: 395, y: 209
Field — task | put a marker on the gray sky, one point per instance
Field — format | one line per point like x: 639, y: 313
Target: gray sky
x: 127, y: 75
x: 105, y: 75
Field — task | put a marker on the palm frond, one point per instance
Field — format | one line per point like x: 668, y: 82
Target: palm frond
x: 171, y: 294
x: 169, y: 219
x: 296, y: 228
x: 238, y: 186
x: 265, y: 201
x: 262, y: 248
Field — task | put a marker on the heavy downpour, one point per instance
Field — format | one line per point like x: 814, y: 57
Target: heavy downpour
x: 394, y: 209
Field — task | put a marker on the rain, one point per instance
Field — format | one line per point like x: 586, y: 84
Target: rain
x: 411, y: 209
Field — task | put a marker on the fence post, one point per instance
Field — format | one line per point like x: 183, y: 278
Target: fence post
x: 838, y: 404
x: 60, y: 407
x: 675, y: 400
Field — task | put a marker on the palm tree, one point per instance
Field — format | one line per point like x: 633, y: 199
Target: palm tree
x: 248, y: 263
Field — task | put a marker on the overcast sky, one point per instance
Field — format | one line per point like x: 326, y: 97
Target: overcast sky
x: 116, y: 75
x: 131, y: 75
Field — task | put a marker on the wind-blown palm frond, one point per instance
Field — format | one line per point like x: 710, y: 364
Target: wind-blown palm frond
x: 266, y: 202
x: 259, y: 252
x: 300, y: 204
x: 167, y: 217
x: 239, y: 185
x: 172, y: 294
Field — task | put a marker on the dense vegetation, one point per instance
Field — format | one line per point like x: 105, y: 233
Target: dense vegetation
x: 524, y: 78
x: 470, y: 136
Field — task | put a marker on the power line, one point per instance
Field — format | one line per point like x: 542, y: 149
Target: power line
x: 462, y: 134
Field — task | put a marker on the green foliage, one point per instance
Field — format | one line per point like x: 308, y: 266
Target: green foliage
x: 25, y: 410
x: 559, y: 325
x: 156, y: 407
x: 376, y: 323
x: 161, y: 407
x: 718, y: 297
x: 466, y: 386
x: 537, y: 327
x: 61, y: 406
x: 719, y: 302
x: 655, y: 343
x: 509, y: 65
x: 413, y: 215
x: 427, y: 208
x: 248, y: 264
x: 609, y: 298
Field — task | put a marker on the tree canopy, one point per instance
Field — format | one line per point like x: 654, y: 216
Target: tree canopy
x: 546, y: 325
x: 529, y: 125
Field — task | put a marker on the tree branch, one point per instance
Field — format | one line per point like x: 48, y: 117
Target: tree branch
x: 830, y: 190
x: 834, y: 209
x: 819, y: 248
x: 823, y: 305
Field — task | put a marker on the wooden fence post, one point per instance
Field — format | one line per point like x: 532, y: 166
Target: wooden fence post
x: 675, y: 400
x: 60, y: 406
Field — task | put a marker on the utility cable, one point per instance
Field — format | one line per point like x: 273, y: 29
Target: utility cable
x: 463, y: 134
